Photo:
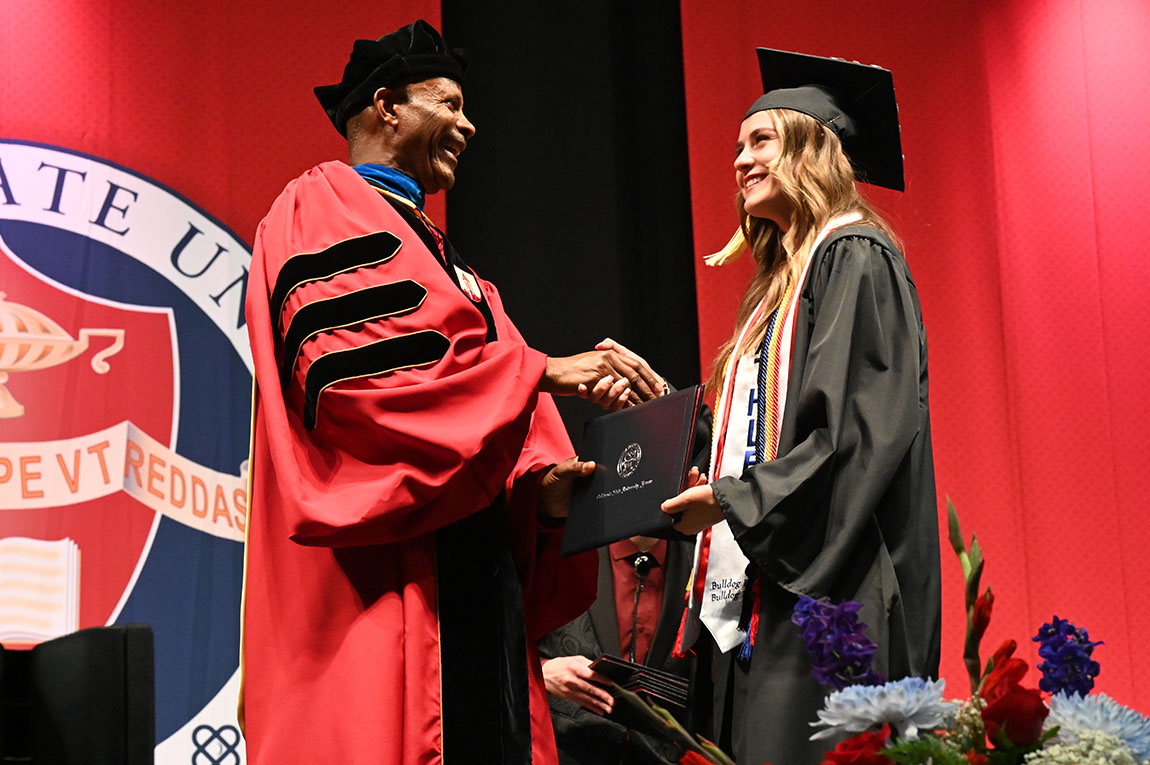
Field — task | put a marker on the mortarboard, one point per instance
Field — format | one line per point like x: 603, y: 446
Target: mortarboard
x: 415, y: 52
x: 853, y: 100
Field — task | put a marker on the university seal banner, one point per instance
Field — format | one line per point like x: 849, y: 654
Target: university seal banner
x: 125, y: 400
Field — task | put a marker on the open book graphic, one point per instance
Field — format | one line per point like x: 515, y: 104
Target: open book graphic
x: 39, y: 589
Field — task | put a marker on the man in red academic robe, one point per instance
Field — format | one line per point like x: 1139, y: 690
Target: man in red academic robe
x: 410, y: 472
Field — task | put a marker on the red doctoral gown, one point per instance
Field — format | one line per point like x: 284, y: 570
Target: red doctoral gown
x: 398, y: 434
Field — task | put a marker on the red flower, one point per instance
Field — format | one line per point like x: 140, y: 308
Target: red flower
x: 982, y: 608
x: 862, y: 749
x: 975, y: 758
x: 1004, y: 652
x: 694, y: 758
x: 1011, y: 709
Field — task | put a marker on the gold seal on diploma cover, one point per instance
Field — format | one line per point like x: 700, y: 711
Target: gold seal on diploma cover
x: 29, y: 340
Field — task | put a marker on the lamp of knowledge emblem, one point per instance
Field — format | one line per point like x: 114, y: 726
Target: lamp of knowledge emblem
x: 30, y: 340
x: 629, y: 460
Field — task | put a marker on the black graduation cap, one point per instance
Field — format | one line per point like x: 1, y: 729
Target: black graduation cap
x: 415, y: 52
x: 853, y: 100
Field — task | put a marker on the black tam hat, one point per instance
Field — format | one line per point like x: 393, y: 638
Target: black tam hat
x: 415, y: 52
x: 855, y: 101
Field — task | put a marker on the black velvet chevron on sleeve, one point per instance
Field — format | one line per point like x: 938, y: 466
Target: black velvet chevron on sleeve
x: 349, y: 309
x: 417, y: 349
x: 348, y: 255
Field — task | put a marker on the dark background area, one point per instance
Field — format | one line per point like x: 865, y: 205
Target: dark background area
x: 574, y: 198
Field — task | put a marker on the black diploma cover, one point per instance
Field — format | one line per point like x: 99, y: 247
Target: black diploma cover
x: 641, y: 456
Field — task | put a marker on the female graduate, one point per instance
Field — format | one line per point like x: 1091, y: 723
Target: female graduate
x: 823, y: 475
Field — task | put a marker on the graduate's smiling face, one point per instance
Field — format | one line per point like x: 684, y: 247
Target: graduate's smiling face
x: 431, y: 132
x: 758, y: 146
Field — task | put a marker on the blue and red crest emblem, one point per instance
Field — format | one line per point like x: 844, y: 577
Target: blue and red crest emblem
x: 125, y: 394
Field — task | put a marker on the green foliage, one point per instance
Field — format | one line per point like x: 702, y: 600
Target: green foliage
x: 975, y: 553
x: 931, y: 749
x: 1006, y: 753
x: 671, y: 727
x: 716, y: 754
x: 925, y: 749
x: 954, y: 531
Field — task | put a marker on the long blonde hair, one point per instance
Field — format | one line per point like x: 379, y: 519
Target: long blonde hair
x: 814, y: 174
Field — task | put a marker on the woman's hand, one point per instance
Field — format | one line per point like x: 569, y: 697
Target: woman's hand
x: 612, y: 393
x: 696, y: 507
x: 571, y: 678
x: 610, y: 389
x: 610, y: 375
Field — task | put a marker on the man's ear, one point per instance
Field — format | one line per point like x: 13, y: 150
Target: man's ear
x: 384, y: 101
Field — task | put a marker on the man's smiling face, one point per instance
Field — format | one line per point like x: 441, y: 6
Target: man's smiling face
x: 432, y: 132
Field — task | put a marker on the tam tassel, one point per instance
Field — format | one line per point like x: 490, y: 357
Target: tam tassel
x: 752, y: 621
x: 693, y: 595
x: 730, y: 253
x: 679, y: 651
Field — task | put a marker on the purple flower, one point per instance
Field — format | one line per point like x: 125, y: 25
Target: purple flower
x: 840, y: 654
x: 1068, y: 667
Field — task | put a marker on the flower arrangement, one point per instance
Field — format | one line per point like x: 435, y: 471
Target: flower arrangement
x: 1002, y: 722
x: 840, y: 652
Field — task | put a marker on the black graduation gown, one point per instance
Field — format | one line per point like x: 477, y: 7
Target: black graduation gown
x: 848, y: 509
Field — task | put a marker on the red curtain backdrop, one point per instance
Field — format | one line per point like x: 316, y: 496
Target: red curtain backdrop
x: 1023, y: 125
x: 211, y: 98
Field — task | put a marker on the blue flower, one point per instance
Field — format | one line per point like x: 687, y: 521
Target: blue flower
x: 1100, y: 713
x: 908, y: 706
x: 1068, y: 666
x: 840, y: 654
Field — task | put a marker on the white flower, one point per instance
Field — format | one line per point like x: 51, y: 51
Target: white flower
x: 1091, y: 748
x: 1076, y: 714
x: 907, y: 705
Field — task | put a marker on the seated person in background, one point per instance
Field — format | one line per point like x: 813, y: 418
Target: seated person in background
x: 635, y: 616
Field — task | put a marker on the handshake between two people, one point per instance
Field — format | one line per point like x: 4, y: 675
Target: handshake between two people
x: 611, y: 376
x: 615, y: 377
